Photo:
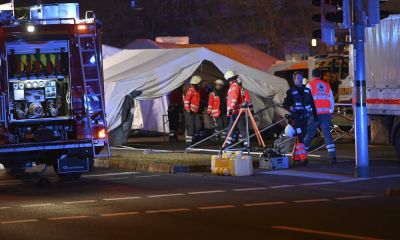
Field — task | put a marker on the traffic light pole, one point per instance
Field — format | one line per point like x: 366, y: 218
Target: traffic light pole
x: 361, y: 118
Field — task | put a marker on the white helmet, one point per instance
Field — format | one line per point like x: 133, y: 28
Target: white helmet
x: 289, y: 131
x: 219, y: 81
x: 230, y: 74
x: 195, y: 80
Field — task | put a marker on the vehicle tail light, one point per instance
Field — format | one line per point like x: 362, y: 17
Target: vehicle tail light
x: 82, y: 27
x: 102, y: 133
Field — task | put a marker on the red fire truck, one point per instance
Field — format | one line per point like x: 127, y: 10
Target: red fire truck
x: 52, y: 98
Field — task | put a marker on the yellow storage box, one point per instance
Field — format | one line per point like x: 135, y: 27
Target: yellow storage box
x: 232, y: 164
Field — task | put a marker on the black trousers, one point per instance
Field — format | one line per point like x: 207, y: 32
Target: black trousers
x: 173, y: 120
x: 221, y: 123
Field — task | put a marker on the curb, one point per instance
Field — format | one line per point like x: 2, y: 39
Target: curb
x: 150, y: 167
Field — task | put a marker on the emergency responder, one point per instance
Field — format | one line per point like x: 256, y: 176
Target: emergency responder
x: 325, y: 104
x: 300, y: 104
x: 174, y: 112
x: 217, y: 108
x: 192, y: 114
x: 236, y: 99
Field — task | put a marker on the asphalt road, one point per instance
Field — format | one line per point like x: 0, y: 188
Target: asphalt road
x: 107, y: 204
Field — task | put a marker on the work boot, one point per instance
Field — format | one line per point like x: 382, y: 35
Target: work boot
x: 304, y: 162
x: 333, y: 157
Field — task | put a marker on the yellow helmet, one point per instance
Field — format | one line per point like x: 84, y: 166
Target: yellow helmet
x: 195, y: 79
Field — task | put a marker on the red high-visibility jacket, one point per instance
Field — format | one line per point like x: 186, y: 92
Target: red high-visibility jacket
x: 237, y: 96
x: 322, y: 94
x: 214, y: 103
x: 192, y: 99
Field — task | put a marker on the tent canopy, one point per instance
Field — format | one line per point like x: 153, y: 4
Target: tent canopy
x: 156, y: 72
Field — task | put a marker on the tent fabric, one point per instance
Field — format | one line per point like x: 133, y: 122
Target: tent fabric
x: 242, y: 53
x: 158, y: 72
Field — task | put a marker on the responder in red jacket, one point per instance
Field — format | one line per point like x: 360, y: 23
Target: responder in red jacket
x: 174, y: 112
x: 236, y: 99
x: 299, y: 102
x: 217, y: 108
x: 325, y: 104
x: 192, y: 115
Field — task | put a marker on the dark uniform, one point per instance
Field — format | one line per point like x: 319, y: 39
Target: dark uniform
x: 174, y: 111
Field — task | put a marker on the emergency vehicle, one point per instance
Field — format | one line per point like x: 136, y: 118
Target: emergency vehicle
x: 382, y: 51
x: 52, y: 97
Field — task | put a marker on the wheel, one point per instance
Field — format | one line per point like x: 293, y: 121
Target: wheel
x: 14, y: 168
x: 397, y: 143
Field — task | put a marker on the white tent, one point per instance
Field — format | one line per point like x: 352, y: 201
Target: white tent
x: 156, y: 72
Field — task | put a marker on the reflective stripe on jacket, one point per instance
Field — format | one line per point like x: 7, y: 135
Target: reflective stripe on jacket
x: 322, y: 94
x: 192, y: 99
x: 214, y: 103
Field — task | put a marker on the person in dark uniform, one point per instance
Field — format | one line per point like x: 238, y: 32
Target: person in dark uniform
x: 174, y: 111
x: 300, y: 103
x: 217, y: 108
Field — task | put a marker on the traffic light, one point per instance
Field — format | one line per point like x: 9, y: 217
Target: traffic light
x: 374, y: 12
x: 333, y: 13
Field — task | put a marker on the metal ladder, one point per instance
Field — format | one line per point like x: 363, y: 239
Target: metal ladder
x: 93, y: 90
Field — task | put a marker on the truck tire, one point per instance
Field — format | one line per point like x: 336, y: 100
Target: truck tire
x: 397, y: 143
x: 14, y: 169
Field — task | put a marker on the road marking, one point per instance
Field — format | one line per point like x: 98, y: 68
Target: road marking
x: 66, y: 218
x: 312, y: 200
x: 331, y: 234
x: 281, y: 186
x: 317, y: 183
x: 121, y: 198
x: 37, y: 205
x: 2, y: 208
x: 387, y: 176
x: 262, y: 204
x: 166, y: 195
x: 83, y: 201
x: 354, y: 197
x: 115, y: 178
x: 119, y: 214
x: 306, y: 174
x: 148, y: 176
x: 109, y: 174
x: 354, y: 180
x: 20, y: 221
x: 249, y: 189
x: 168, y: 210
x: 206, y: 192
x: 216, y: 207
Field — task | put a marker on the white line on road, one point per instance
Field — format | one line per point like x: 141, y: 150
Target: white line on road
x: 2, y: 208
x: 20, y: 221
x: 148, y: 176
x: 166, y: 195
x: 121, y: 198
x: 37, y: 205
x: 324, y: 233
x: 317, y: 183
x: 206, y: 192
x: 262, y: 204
x: 83, y: 201
x: 387, y: 176
x: 66, y: 218
x: 216, y: 207
x: 115, y: 178
x: 109, y: 174
x: 355, y: 180
x: 354, y: 197
x: 312, y: 200
x: 119, y: 214
x: 249, y: 189
x: 281, y: 186
x: 168, y: 210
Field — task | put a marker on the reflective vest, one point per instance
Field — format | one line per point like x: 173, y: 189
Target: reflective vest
x: 321, y: 92
x: 214, y: 103
x: 299, y: 152
x: 234, y: 98
x: 192, y: 99
x: 302, y: 104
